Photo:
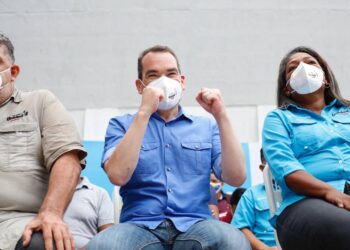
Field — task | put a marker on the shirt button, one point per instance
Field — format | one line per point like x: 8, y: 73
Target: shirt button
x: 167, y: 145
x: 335, y: 125
x: 196, y: 147
x: 331, y: 130
x: 340, y: 162
x: 306, y: 147
x: 170, y: 190
x: 168, y: 169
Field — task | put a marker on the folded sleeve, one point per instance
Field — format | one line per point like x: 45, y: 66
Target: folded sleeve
x: 277, y: 142
x: 58, y: 131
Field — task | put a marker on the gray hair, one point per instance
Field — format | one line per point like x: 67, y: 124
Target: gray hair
x: 5, y: 41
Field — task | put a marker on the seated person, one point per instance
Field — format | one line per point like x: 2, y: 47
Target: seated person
x: 213, y: 203
x: 252, y: 216
x: 41, y: 158
x: 306, y: 141
x: 235, y: 198
x: 162, y: 157
x: 89, y: 212
x: 225, y: 213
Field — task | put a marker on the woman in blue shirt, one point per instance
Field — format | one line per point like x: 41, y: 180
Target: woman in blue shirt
x: 307, y: 145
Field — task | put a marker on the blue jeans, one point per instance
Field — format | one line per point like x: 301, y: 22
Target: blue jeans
x: 206, y: 234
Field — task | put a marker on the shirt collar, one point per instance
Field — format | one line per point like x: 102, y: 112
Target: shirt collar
x: 335, y: 102
x: 180, y: 115
x: 16, y: 96
x: 85, y: 183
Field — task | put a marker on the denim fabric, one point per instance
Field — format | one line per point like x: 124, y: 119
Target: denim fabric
x: 206, y: 234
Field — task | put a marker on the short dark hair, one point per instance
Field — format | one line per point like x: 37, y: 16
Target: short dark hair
x: 236, y: 196
x: 5, y: 41
x: 331, y: 93
x: 156, y: 48
x: 262, y: 156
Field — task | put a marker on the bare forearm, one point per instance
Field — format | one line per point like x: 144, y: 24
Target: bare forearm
x: 304, y: 183
x: 122, y: 163
x: 232, y: 156
x: 63, y: 180
x: 254, y: 241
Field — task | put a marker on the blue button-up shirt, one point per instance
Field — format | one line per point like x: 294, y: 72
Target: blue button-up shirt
x: 171, y: 179
x: 252, y: 212
x: 295, y: 138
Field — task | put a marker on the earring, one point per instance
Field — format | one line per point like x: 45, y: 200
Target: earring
x: 326, y: 85
x: 288, y: 94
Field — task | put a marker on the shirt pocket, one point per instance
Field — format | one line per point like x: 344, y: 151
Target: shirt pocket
x: 196, y: 157
x: 17, y: 145
x: 149, y: 159
x: 306, y: 136
x: 342, y: 125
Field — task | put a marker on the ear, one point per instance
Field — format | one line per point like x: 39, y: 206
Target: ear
x: 183, y: 82
x: 139, y: 86
x: 15, y: 69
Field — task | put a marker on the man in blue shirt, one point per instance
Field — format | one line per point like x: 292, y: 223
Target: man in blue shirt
x: 162, y: 158
x: 252, y: 216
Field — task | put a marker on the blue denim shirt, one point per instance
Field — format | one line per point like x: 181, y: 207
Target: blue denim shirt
x: 253, y: 212
x: 295, y: 138
x: 171, y: 179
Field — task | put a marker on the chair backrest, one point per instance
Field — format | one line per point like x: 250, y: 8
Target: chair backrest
x: 273, y: 191
x: 118, y: 204
x: 274, y: 195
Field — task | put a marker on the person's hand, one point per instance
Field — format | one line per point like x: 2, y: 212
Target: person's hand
x: 338, y: 198
x: 211, y: 100
x: 53, y: 229
x: 150, y: 99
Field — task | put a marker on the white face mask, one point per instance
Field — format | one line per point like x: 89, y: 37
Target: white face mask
x: 2, y: 84
x: 172, y: 91
x: 306, y: 79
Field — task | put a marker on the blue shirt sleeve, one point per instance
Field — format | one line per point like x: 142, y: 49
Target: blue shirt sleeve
x: 244, y: 216
x: 213, y: 199
x: 277, y: 146
x: 216, y: 151
x: 115, y: 132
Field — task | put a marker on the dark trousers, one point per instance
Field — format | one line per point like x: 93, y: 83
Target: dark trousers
x: 36, y: 243
x: 314, y: 224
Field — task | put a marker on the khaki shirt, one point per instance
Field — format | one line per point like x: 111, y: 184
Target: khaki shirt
x: 35, y: 130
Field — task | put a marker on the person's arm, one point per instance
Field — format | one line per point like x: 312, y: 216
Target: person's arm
x: 232, y: 156
x: 255, y: 243
x: 122, y: 163
x: 304, y: 183
x: 63, y: 180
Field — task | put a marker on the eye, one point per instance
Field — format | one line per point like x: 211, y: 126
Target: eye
x: 172, y: 75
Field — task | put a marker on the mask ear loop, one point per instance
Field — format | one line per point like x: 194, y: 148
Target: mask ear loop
x: 288, y: 93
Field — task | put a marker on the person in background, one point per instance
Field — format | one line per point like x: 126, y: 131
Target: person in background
x: 162, y: 157
x: 252, y: 216
x: 89, y: 212
x: 234, y: 199
x: 213, y: 203
x: 41, y: 158
x: 225, y: 213
x: 306, y: 142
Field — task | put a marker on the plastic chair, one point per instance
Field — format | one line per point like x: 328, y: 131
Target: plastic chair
x: 274, y: 195
x: 118, y: 204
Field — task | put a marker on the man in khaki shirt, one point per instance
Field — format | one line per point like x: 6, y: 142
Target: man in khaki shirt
x: 40, y: 163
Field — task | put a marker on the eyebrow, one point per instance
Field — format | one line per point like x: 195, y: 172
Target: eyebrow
x: 153, y: 71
